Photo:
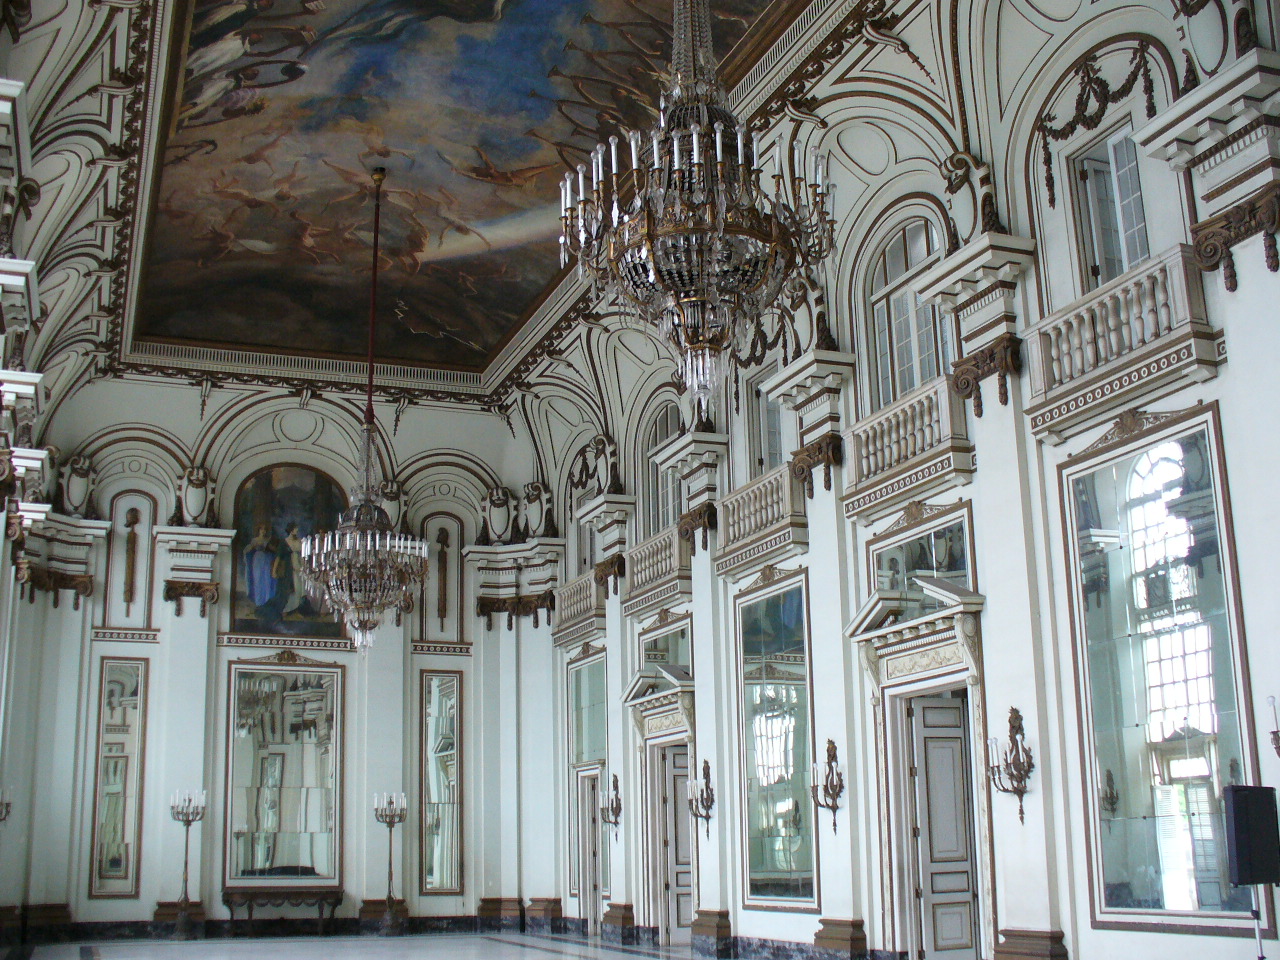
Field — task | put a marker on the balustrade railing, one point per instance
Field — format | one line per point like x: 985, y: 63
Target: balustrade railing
x: 657, y: 560
x: 929, y: 418
x: 579, y: 599
x: 771, y: 500
x: 1129, y: 313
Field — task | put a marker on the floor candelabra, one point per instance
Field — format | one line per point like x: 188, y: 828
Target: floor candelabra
x: 186, y: 809
x: 391, y: 811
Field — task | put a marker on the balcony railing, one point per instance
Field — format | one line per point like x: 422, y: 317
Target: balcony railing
x: 762, y: 519
x: 1094, y: 353
x: 579, y: 604
x: 657, y: 570
x: 922, y: 436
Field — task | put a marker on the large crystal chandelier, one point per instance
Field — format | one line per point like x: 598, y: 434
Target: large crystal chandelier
x: 687, y: 238
x: 364, y: 568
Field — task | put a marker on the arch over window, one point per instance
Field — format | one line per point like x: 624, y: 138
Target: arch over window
x: 663, y: 494
x: 911, y: 342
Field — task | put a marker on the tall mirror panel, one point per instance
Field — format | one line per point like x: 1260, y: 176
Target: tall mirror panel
x: 441, y: 853
x: 119, y: 755
x: 284, y: 776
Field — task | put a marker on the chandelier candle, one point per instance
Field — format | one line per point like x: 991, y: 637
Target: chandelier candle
x: 365, y: 568
x: 695, y: 247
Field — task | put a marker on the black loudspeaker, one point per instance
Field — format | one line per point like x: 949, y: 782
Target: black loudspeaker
x: 1253, y: 835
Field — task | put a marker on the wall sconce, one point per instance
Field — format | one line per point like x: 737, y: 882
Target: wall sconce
x: 1109, y: 799
x: 830, y: 778
x: 702, y: 799
x: 1012, y: 771
x: 5, y: 806
x: 1275, y: 726
x: 611, y: 810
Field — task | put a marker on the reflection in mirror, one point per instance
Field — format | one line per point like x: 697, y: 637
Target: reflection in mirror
x: 117, y: 824
x: 1153, y: 595
x: 777, y: 753
x: 284, y: 760
x: 942, y: 552
x: 441, y: 760
x: 670, y: 648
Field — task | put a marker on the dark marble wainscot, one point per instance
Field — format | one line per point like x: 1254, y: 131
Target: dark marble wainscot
x: 618, y: 926
x: 501, y: 914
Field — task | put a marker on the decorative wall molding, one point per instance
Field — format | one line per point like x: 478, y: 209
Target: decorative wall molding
x: 300, y: 643
x: 701, y: 518
x: 445, y: 649
x: 124, y: 635
x: 528, y: 605
x: 827, y: 452
x: 175, y: 591
x: 45, y: 580
x: 610, y: 571
x: 1213, y: 238
x: 1003, y: 358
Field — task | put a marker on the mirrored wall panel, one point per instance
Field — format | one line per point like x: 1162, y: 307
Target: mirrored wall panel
x: 117, y: 806
x: 441, y: 855
x: 941, y: 553
x: 777, y: 751
x: 284, y: 775
x: 1153, y: 601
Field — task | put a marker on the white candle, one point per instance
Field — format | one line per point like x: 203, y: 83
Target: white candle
x: 634, y: 139
x: 675, y: 156
x: 613, y: 154
x: 719, y: 142
x: 755, y: 148
x: 657, y: 157
x: 697, y: 144
x: 582, y: 182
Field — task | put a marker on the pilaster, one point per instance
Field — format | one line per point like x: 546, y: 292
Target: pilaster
x: 193, y: 563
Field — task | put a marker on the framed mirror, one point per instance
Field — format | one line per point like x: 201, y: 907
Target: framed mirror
x: 284, y: 774
x: 117, y: 805
x: 440, y: 852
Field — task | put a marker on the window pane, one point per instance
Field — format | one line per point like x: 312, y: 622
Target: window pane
x: 1161, y: 681
x: 917, y: 242
x: 1104, y: 233
x: 884, y: 362
x: 779, y: 810
x: 669, y: 648
x: 925, y: 348
x: 896, y: 255
x: 1128, y: 194
x: 902, y: 331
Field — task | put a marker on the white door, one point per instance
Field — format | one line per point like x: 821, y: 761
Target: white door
x: 589, y: 851
x: 947, y: 888
x: 676, y: 854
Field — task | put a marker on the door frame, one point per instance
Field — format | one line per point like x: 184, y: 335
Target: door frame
x: 591, y: 907
x: 658, y: 903
x: 901, y: 850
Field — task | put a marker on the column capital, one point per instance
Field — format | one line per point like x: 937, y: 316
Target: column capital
x: 696, y: 457
x: 811, y: 385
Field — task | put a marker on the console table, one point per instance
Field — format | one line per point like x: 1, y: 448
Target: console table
x: 250, y: 897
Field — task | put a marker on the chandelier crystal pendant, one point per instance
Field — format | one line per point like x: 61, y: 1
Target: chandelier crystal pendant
x: 687, y: 237
x: 364, y: 568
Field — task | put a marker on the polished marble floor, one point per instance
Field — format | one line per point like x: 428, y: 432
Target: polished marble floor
x: 430, y: 947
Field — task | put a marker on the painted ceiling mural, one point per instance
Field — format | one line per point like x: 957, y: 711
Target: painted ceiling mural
x: 262, y: 227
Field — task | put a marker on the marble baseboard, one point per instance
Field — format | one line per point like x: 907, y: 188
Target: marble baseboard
x: 458, y: 924
x: 756, y: 948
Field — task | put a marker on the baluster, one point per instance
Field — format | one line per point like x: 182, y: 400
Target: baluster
x: 1077, y: 347
x: 864, y: 457
x: 1089, y: 334
x: 895, y: 440
x: 1162, y: 297
x: 1055, y: 355
x: 1125, y: 321
x: 933, y: 435
x: 1153, y: 311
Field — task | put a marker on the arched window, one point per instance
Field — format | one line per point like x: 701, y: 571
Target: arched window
x: 663, y: 500
x: 911, y: 343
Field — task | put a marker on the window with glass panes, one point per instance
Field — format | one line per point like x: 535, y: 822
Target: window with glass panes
x: 766, y: 451
x: 1113, y: 219
x: 663, y: 506
x: 911, y: 340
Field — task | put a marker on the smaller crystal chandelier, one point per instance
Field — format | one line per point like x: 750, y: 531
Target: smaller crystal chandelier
x: 688, y: 239
x: 364, y: 567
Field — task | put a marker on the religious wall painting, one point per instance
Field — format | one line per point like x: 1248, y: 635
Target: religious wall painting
x: 261, y: 226
x: 276, y: 509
